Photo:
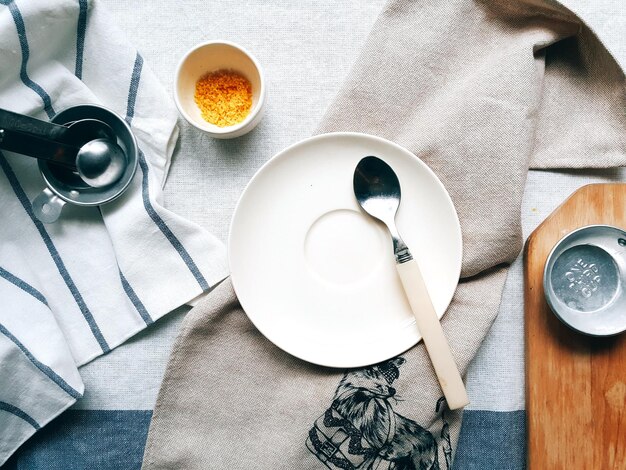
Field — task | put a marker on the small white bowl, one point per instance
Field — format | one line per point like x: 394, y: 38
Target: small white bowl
x: 210, y: 57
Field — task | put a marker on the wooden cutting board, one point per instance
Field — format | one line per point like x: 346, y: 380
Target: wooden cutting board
x: 575, y: 384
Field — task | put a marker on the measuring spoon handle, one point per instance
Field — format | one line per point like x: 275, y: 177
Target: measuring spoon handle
x: 38, y: 147
x: 28, y: 125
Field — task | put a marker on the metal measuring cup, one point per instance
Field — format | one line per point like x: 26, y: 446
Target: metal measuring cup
x: 66, y: 186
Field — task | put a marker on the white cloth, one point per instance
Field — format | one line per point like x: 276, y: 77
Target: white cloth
x: 73, y: 290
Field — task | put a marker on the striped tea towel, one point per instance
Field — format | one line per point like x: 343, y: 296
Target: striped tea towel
x: 73, y: 290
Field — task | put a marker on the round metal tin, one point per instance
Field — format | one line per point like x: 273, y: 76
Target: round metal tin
x: 67, y: 184
x: 584, y: 280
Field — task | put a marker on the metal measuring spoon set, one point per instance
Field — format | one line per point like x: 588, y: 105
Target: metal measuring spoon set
x: 87, y: 155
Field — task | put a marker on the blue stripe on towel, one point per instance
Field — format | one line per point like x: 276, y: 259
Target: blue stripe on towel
x: 21, y: 32
x: 80, y: 37
x: 26, y: 287
x: 134, y: 86
x: 184, y: 254
x: 21, y: 195
x: 52, y: 375
x: 114, y: 439
x: 86, y: 439
x: 14, y: 410
x: 141, y: 309
x: 160, y: 223
x: 492, y: 439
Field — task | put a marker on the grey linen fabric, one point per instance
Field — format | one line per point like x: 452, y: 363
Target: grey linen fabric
x: 480, y: 91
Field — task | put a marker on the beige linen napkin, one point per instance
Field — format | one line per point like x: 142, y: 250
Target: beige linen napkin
x: 479, y: 90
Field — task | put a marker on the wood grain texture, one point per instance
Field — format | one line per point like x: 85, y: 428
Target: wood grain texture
x: 575, y: 384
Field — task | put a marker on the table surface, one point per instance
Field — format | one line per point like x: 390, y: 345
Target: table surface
x: 306, y: 49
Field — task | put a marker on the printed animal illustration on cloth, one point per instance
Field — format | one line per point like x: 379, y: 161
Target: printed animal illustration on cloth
x: 360, y: 430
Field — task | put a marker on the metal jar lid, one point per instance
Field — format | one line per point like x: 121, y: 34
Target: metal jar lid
x: 584, y: 280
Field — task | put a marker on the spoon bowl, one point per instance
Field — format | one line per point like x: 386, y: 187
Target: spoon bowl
x: 377, y: 189
x: 100, y: 162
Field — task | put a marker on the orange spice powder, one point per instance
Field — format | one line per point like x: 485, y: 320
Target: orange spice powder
x: 224, y: 97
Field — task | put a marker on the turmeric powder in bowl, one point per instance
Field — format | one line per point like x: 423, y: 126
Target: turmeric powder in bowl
x: 220, y: 89
x: 224, y: 97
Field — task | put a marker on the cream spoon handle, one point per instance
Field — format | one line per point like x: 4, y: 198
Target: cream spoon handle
x: 434, y: 339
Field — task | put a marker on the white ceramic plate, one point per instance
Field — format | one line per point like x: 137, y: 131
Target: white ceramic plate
x: 316, y: 275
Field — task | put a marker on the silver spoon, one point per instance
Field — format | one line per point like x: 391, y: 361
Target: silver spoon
x: 100, y: 162
x: 377, y: 191
x: 89, y: 145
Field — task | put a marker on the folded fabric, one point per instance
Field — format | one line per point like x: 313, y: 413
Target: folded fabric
x: 479, y: 91
x: 73, y: 290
